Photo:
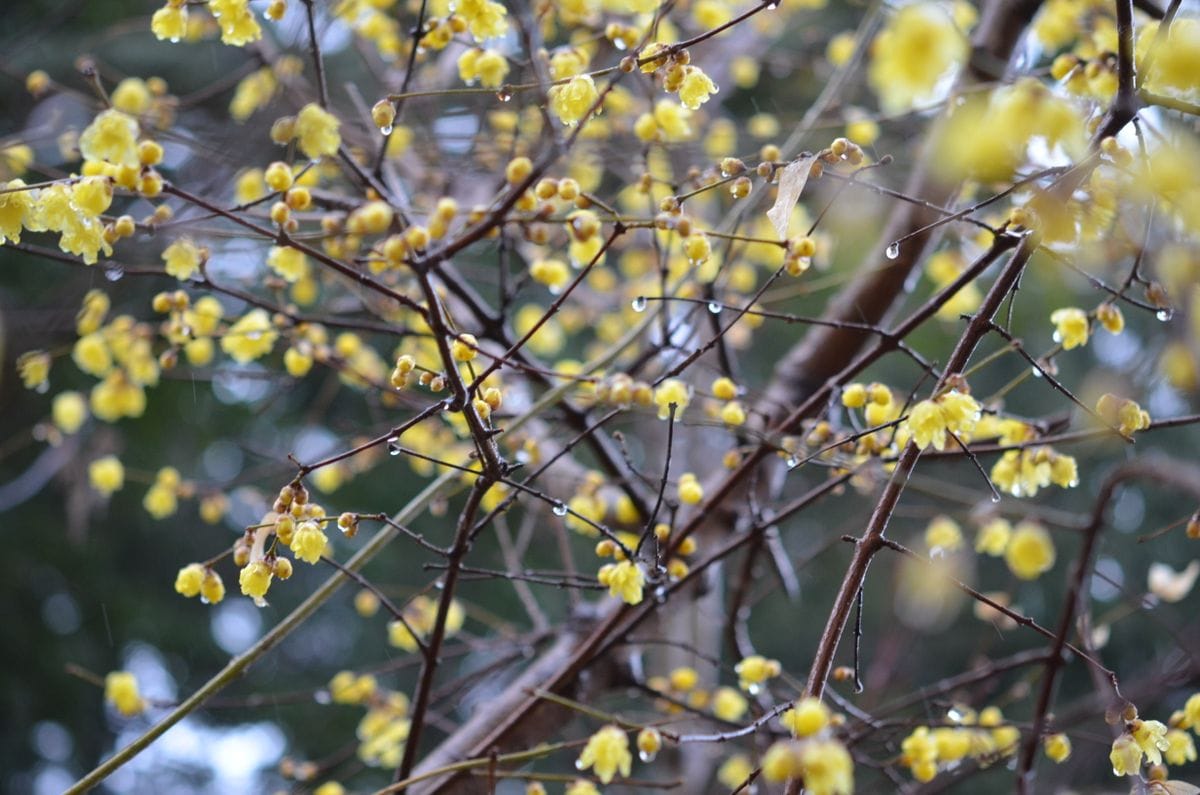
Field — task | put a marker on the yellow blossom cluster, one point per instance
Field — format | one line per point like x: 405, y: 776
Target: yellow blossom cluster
x: 420, y: 616
x: 984, y: 737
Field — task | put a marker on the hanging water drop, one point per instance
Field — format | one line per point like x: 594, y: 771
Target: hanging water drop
x: 793, y: 462
x: 504, y: 94
x: 386, y: 129
x: 579, y: 765
x: 660, y: 595
x: 715, y: 307
x: 393, y: 445
x: 1037, y: 372
x: 995, y: 497
x: 559, y: 509
x: 1164, y: 315
x: 114, y: 273
x: 754, y: 688
x: 937, y: 553
x: 893, y: 251
x: 322, y: 697
x: 639, y: 304
x: 646, y: 756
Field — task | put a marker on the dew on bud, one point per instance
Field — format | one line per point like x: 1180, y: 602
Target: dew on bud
x: 386, y: 129
x: 639, y: 304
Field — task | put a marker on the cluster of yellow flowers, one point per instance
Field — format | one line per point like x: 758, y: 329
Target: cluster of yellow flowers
x: 983, y: 737
x: 681, y: 686
x: 816, y: 756
x: 420, y: 616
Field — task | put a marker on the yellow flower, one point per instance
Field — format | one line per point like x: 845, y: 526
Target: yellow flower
x: 696, y: 88
x: 728, y: 704
x: 827, y: 768
x: 807, y: 717
x: 754, y: 670
x: 671, y: 391
x: 170, y: 22
x: 160, y: 501
x: 106, y: 474
x: 34, y: 369
x: 1058, y: 747
x: 1151, y: 737
x: 290, y: 263
x: 735, y: 771
x: 909, y: 58
x: 1180, y: 748
x: 182, y: 258
x: 348, y: 688
x: 92, y: 195
x: 993, y: 537
x: 69, y: 411
x: 690, y: 490
x: 960, y: 410
x: 625, y: 580
x: 485, y: 19
x: 255, y: 579
x: 250, y: 337
x: 309, y: 542
x: 131, y: 96
x: 781, y: 762
x: 91, y: 354
x: 189, y: 579
x: 111, y: 137
x: 606, y: 752
x: 928, y: 425
x: 212, y: 590
x: 571, y: 101
x: 1126, y: 756
x: 317, y: 131
x: 121, y: 690
x: 1030, y: 551
x: 1071, y: 327
x: 238, y: 25
x: 401, y: 637
x: 943, y: 533
x: 17, y: 209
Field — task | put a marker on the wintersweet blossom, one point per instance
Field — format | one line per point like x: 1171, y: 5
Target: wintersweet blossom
x: 607, y: 753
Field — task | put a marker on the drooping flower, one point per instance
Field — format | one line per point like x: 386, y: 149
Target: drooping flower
x: 607, y: 752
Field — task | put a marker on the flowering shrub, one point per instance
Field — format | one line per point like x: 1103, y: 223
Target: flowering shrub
x: 618, y: 390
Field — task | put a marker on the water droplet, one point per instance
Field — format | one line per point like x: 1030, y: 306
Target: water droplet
x: 660, y: 595
x: 725, y: 174
x: 579, y: 765
x: 386, y: 129
x: 715, y: 307
x: 754, y: 688
x: 639, y: 304
x: 504, y: 94
x: 1164, y: 315
x: 174, y: 39
x: 42, y: 388
x: 114, y: 274
x: 620, y: 44
x: 1037, y: 372
x: 793, y: 462
x: 995, y: 498
x: 393, y: 446
x: 893, y: 251
x: 322, y: 697
x: 646, y: 756
x: 1072, y: 483
x: 559, y: 509
x: 772, y: 5
x: 254, y: 335
x: 937, y: 553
